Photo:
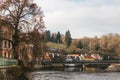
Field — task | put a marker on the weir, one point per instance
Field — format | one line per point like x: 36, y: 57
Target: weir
x: 82, y: 64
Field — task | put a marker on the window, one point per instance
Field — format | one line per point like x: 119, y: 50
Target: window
x: 5, y: 54
x: 5, y: 44
x: 0, y: 44
x: 9, y: 44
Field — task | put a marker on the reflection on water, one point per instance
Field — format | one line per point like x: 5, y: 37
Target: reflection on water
x: 71, y: 69
x: 72, y: 73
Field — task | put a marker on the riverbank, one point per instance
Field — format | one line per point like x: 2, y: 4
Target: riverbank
x: 12, y: 73
x: 18, y: 73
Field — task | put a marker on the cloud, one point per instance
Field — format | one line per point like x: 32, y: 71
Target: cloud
x: 82, y: 17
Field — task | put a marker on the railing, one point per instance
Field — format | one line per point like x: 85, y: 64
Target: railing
x: 82, y: 62
x: 8, y: 62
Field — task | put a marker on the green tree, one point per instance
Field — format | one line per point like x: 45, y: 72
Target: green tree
x: 23, y: 15
x: 79, y: 45
x: 68, y: 39
x: 53, y: 38
x: 58, y: 37
x: 48, y: 36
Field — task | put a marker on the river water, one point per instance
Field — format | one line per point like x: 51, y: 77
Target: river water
x: 72, y: 74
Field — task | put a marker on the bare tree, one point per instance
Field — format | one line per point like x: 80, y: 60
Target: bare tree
x: 23, y: 15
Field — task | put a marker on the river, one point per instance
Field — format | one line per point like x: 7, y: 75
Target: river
x: 72, y: 74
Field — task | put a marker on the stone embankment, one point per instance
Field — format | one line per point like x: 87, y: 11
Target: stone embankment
x: 12, y: 73
x: 114, y: 68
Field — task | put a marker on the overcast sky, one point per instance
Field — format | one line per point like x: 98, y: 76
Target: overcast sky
x: 82, y: 17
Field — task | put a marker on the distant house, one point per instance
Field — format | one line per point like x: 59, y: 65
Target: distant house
x: 86, y: 57
x: 6, y: 33
x: 96, y: 57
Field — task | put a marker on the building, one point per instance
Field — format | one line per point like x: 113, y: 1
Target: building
x: 25, y: 46
x: 6, y: 33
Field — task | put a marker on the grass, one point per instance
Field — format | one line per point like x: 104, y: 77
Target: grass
x: 55, y: 45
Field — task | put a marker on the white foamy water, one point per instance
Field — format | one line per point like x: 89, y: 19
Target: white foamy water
x: 63, y: 75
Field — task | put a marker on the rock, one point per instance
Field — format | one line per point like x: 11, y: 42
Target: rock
x: 114, y: 67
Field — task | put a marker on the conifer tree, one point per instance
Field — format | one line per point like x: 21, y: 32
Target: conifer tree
x: 68, y: 39
x: 58, y: 37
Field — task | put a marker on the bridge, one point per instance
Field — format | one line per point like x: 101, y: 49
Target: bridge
x: 82, y: 63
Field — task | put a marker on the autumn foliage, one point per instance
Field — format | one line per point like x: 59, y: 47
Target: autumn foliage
x: 25, y: 16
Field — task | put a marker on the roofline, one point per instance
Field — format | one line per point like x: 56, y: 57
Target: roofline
x: 5, y: 22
